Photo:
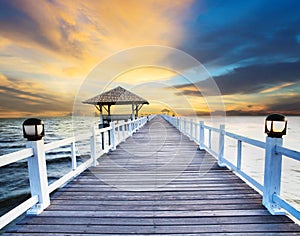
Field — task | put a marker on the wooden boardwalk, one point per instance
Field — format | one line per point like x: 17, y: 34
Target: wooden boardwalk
x: 156, y: 183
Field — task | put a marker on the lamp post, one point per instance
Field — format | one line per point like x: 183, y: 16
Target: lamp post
x: 33, y: 130
x: 275, y: 128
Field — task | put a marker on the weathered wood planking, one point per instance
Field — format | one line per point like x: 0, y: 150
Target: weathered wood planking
x: 180, y: 190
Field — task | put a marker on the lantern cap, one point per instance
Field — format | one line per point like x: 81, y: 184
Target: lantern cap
x: 33, y: 121
x: 276, y: 117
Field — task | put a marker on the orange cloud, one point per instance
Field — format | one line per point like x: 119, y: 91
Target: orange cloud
x: 84, y: 32
x: 28, y: 97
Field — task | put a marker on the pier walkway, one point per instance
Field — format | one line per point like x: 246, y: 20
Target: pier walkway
x: 156, y: 183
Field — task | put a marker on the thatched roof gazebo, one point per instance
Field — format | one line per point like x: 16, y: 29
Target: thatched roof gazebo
x: 116, y: 96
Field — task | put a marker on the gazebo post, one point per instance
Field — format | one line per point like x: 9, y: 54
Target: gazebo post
x: 109, y: 118
x: 101, y: 117
x: 137, y: 111
x: 132, y: 111
x: 101, y: 125
x: 108, y: 109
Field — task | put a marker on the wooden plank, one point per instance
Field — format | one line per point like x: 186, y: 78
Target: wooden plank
x: 158, y: 221
x: 74, y: 202
x: 190, y: 234
x: 153, y: 193
x: 156, y: 197
x: 178, y: 207
x: 157, y: 229
x: 170, y: 213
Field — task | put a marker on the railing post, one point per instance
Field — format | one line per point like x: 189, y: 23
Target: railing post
x: 123, y: 131
x: 184, y: 126
x: 221, y: 145
x: 239, y: 155
x: 127, y: 129
x: 191, y: 129
x: 38, y: 176
x: 179, y: 124
x: 94, y: 145
x: 73, y: 152
x: 117, y: 134
x: 201, y: 135
x: 112, y: 136
x: 272, y: 175
x: 102, y: 140
x: 133, y: 126
x: 130, y: 128
x: 209, y: 138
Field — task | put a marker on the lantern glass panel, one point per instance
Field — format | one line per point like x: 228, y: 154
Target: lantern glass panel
x: 29, y: 130
x: 278, y: 126
x: 269, y: 123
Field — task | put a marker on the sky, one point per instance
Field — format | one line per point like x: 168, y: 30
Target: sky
x: 52, y: 55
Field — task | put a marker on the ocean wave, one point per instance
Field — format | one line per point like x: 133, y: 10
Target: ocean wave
x: 10, y: 147
x: 10, y: 202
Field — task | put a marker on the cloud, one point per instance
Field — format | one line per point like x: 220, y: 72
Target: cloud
x: 31, y: 98
x: 289, y: 104
x: 91, y: 30
x: 266, y: 88
x: 278, y: 87
x: 251, y: 79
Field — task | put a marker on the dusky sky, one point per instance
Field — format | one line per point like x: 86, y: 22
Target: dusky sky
x: 250, y: 48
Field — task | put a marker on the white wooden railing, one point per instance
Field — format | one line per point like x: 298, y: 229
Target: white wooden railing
x: 101, y: 141
x: 270, y: 189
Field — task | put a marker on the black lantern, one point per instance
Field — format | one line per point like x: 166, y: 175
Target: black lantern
x: 33, y: 129
x: 275, y: 125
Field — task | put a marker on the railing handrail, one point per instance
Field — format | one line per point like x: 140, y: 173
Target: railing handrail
x: 271, y: 188
x: 58, y: 143
x: 288, y: 152
x: 251, y: 141
x: 30, y: 152
x: 15, y: 156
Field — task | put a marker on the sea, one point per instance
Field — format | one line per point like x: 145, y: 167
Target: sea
x: 14, y: 182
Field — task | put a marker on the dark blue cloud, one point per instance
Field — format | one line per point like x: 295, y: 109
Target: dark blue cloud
x: 14, y: 21
x: 251, y: 79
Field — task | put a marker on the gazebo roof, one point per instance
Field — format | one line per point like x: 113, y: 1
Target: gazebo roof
x: 116, y: 96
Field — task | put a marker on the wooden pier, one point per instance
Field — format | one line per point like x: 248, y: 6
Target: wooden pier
x: 164, y: 186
